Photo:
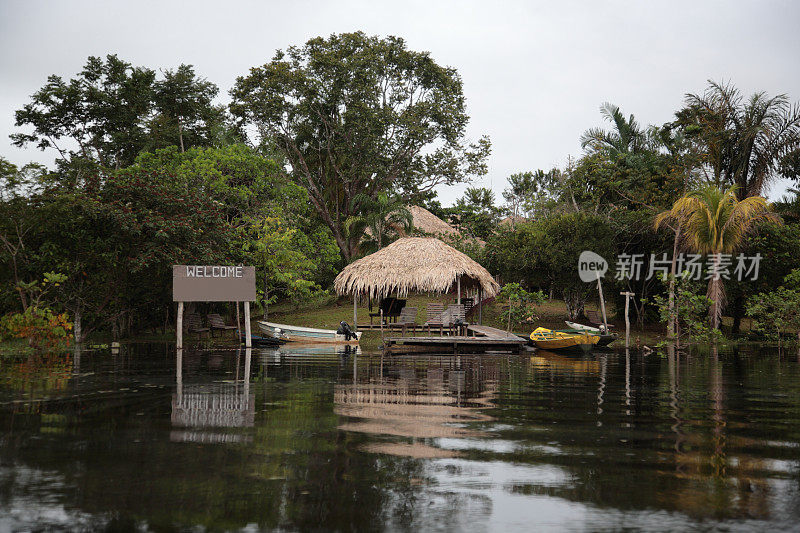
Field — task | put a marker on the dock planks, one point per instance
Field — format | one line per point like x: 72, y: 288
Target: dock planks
x: 483, y: 339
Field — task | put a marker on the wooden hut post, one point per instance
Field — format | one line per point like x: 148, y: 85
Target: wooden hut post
x: 248, y: 338
x: 355, y: 311
x: 459, y: 290
x: 480, y: 305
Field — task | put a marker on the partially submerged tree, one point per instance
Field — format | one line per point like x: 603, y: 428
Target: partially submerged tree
x: 354, y: 115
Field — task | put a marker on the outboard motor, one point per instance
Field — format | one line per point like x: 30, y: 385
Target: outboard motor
x: 344, y: 329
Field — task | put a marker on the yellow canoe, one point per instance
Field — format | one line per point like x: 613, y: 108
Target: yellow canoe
x: 548, y: 339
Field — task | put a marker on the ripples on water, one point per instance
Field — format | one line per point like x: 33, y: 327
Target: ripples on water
x: 299, y: 438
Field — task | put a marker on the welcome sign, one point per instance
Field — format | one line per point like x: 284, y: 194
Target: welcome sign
x: 213, y: 283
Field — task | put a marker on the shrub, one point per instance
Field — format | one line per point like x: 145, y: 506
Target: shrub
x: 45, y: 330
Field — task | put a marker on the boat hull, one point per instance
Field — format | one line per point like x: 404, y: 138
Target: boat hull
x: 559, y: 341
x: 289, y: 333
x: 605, y: 339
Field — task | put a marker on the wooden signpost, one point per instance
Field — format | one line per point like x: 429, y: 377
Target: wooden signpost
x: 628, y: 296
x: 213, y: 283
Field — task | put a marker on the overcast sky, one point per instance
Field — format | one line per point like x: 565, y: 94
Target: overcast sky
x: 535, y: 73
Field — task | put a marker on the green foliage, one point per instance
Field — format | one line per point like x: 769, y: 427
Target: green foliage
x: 45, y: 330
x: 280, y: 255
x: 747, y: 142
x: 354, y: 115
x: 775, y: 313
x: 186, y: 115
x: 532, y: 194
x: 520, y: 304
x: 691, y: 308
x: 475, y: 213
x: 382, y: 219
x: 544, y: 254
x: 113, y: 110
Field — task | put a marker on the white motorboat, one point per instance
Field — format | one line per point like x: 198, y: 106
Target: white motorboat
x: 289, y: 333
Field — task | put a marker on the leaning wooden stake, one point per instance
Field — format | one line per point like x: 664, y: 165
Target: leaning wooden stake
x: 602, y: 302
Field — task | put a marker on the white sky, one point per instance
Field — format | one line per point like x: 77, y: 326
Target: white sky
x: 535, y: 73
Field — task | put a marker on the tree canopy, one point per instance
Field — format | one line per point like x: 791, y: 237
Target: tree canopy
x: 355, y: 114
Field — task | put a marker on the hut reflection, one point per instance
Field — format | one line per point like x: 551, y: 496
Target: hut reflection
x: 199, y: 409
x: 415, y: 401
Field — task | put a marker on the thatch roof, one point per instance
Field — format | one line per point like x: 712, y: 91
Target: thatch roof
x: 426, y: 221
x: 513, y: 220
x: 414, y: 264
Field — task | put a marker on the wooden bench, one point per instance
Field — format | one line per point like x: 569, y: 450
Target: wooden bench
x: 457, y: 316
x: 434, y: 317
x: 194, y: 324
x: 216, y: 322
x: 407, y: 318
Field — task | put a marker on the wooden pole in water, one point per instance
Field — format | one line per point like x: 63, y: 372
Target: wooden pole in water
x: 355, y: 312
x: 627, y: 296
x: 238, y: 322
x: 248, y: 339
x: 602, y: 302
x: 179, y: 327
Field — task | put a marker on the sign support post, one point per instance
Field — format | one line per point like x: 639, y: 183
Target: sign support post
x: 248, y: 338
x: 214, y: 283
x: 179, y: 328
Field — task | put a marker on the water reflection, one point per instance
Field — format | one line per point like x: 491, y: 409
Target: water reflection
x: 144, y: 437
x: 416, y: 398
x: 198, y: 407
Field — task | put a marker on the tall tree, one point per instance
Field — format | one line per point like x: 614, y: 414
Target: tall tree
x: 111, y: 111
x: 626, y: 137
x: 749, y: 142
x: 184, y: 102
x: 476, y: 213
x: 360, y: 115
x: 529, y: 193
x: 102, y: 111
x: 713, y: 222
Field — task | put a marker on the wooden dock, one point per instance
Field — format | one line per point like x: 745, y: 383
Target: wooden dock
x: 479, y: 339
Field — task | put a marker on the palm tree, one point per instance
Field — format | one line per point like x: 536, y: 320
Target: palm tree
x: 748, y: 142
x: 627, y: 137
x: 713, y: 222
x: 378, y: 219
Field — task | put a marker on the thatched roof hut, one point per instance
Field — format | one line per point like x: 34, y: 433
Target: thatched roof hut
x: 414, y: 264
